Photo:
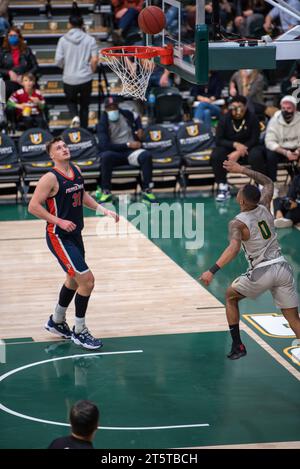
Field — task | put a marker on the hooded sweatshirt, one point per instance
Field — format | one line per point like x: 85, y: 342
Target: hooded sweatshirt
x: 281, y: 134
x: 73, y: 54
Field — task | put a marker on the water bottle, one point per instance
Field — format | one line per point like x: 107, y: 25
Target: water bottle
x: 151, y: 104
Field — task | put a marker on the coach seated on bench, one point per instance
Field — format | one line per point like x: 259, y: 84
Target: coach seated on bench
x: 120, y: 133
x: 237, y: 139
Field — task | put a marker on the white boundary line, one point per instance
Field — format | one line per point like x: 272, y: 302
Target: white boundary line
x: 51, y: 422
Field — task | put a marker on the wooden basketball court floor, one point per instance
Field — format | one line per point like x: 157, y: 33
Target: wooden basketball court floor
x: 161, y: 380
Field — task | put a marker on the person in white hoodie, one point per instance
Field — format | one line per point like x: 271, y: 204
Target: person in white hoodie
x: 77, y: 55
x: 282, y: 139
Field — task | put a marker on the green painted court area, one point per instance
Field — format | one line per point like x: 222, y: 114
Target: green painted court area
x: 180, y: 382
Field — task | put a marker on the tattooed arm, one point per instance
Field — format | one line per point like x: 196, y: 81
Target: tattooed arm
x: 259, y: 178
x: 235, y: 239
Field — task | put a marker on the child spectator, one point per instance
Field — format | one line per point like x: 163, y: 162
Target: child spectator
x: 29, y: 103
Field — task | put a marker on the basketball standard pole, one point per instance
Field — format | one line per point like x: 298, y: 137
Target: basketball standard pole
x: 201, y: 39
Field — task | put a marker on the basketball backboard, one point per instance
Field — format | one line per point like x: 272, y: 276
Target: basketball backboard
x: 194, y: 54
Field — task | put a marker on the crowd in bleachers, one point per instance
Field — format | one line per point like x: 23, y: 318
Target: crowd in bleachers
x: 231, y: 110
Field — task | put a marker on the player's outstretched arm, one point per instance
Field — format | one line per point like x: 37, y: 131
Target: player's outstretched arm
x: 259, y: 178
x: 91, y: 203
x: 232, y: 250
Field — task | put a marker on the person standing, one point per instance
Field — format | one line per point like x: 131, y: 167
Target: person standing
x: 62, y: 191
x: 84, y: 420
x: 77, y: 55
x: 253, y: 229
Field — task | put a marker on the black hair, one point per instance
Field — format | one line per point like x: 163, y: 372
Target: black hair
x: 239, y: 99
x: 52, y: 141
x: 76, y: 21
x: 251, y: 193
x: 84, y: 418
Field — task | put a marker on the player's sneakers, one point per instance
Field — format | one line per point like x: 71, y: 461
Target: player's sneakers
x: 223, y: 193
x: 62, y: 329
x: 85, y: 339
x: 237, y: 352
x: 103, y: 197
x: 283, y: 222
x: 148, y: 196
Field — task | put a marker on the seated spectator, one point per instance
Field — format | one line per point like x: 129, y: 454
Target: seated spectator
x: 286, y: 20
x: 287, y: 209
x: 126, y: 14
x: 84, y: 420
x: 207, y: 95
x: 16, y: 58
x: 282, y: 138
x: 29, y: 103
x: 237, y: 139
x: 249, y: 83
x: 120, y: 133
x: 249, y: 17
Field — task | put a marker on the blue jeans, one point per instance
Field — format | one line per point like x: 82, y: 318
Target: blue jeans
x: 204, y: 111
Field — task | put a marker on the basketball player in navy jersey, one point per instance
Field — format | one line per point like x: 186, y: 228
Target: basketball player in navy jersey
x: 62, y: 191
x: 253, y: 229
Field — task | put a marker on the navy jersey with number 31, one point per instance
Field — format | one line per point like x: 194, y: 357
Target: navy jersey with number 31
x: 67, y: 203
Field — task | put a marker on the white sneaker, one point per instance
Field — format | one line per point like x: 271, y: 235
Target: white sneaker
x: 283, y: 223
x: 223, y: 192
x: 75, y: 122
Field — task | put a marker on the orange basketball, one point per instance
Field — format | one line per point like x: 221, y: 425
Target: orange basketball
x: 151, y: 20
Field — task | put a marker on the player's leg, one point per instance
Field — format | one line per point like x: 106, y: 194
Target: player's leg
x: 292, y: 316
x: 81, y: 334
x: 238, y: 349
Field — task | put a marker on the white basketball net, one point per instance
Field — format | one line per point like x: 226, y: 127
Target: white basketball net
x: 133, y: 72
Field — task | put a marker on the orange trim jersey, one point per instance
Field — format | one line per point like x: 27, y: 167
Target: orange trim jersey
x: 67, y: 203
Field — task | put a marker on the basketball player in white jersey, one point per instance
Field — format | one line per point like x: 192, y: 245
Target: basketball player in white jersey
x: 253, y: 229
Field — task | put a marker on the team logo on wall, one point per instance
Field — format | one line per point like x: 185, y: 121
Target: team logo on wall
x: 192, y: 130
x: 272, y: 325
x: 155, y: 135
x: 36, y: 138
x: 75, y: 137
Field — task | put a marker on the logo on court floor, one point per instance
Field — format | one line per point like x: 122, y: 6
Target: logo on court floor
x: 270, y: 324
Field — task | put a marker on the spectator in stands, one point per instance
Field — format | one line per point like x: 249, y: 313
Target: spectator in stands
x: 4, y: 27
x: 207, y: 96
x: 29, y: 103
x: 249, y: 17
x: 125, y: 13
x: 120, y: 133
x: 282, y: 138
x: 286, y: 20
x: 249, y: 83
x: 237, y: 139
x: 77, y: 54
x: 16, y: 58
x: 287, y: 209
x: 4, y: 8
x: 84, y: 420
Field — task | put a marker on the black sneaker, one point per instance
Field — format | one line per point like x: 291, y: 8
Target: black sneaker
x: 237, y: 352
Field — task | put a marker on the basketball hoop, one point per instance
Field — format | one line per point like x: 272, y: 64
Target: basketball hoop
x: 134, y: 65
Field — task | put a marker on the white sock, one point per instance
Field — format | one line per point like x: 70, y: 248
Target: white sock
x: 79, y: 324
x: 59, y: 314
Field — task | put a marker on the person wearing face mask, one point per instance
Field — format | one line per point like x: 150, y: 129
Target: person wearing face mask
x: 282, y: 138
x: 16, y: 58
x: 237, y: 139
x: 119, y: 134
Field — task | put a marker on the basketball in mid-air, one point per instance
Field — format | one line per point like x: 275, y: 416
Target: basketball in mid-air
x: 152, y: 20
